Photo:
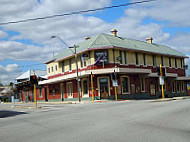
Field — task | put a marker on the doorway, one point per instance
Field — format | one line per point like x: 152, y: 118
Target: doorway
x: 46, y: 98
x: 104, y: 87
x: 62, y: 91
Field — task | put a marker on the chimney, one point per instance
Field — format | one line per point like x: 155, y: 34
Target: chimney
x: 86, y: 38
x: 114, y: 32
x: 149, y: 40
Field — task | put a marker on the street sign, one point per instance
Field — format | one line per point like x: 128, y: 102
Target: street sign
x: 161, y: 80
x: 115, y: 83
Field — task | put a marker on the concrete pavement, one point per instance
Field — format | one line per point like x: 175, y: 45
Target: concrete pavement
x: 121, y: 121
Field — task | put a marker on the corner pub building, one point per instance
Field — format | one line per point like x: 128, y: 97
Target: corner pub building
x: 135, y: 63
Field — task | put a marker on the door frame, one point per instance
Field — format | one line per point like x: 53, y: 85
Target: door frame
x: 98, y: 80
x: 82, y: 87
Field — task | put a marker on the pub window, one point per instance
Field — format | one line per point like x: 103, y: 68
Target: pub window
x: 120, y: 55
x: 50, y: 91
x: 173, y: 86
x: 40, y: 92
x: 178, y: 86
x: 125, y: 57
x: 83, y: 62
x: 142, y: 84
x: 182, y: 86
x: 181, y: 63
x: 137, y: 58
x: 154, y: 60
x: 63, y: 66
x: 125, y: 84
x: 144, y: 59
x: 175, y: 63
x: 70, y: 65
x: 85, y: 87
x: 162, y: 60
x: 70, y: 89
x: 170, y: 65
x: 56, y: 67
x: 51, y: 69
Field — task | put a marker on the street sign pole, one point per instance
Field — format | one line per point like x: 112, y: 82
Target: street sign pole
x: 161, y: 74
x: 92, y: 87
x: 115, y: 87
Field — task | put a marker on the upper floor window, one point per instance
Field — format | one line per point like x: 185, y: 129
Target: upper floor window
x: 175, y: 63
x: 154, y: 60
x: 101, y: 55
x: 70, y: 64
x: 137, y: 58
x: 51, y: 69
x: 63, y: 66
x: 181, y: 63
x: 170, y: 64
x: 83, y: 62
x: 56, y: 67
x: 48, y: 70
x: 120, y: 55
x: 125, y: 57
x: 144, y: 59
x: 162, y: 60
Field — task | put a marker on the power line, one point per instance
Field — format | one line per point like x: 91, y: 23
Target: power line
x: 76, y: 12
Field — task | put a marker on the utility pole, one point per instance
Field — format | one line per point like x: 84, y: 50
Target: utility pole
x: 115, y: 86
x: 78, y: 85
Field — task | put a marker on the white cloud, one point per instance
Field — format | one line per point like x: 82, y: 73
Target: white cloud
x: 9, y: 73
x: 175, y: 12
x: 3, y: 34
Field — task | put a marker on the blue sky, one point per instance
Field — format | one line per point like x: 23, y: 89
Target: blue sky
x: 25, y: 46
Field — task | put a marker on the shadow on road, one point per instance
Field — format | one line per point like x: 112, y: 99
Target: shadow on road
x: 6, y: 113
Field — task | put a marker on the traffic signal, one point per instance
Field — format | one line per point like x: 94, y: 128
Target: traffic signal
x: 33, y: 79
x: 114, y: 76
x: 163, y: 71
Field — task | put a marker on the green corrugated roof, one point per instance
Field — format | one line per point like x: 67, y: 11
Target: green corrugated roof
x: 106, y: 40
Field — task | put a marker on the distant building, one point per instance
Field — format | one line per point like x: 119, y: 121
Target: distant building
x: 25, y: 88
x: 135, y: 63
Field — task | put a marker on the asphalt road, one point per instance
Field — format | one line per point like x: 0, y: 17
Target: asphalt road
x: 128, y: 121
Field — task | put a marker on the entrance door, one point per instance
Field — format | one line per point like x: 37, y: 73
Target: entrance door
x: 46, y: 98
x: 62, y: 91
x: 104, y: 88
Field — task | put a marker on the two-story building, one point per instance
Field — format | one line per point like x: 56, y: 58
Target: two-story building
x: 135, y: 63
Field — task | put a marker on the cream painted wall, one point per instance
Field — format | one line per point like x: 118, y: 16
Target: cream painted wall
x: 53, y: 64
x: 149, y: 59
x: 166, y: 61
x: 110, y: 56
x: 173, y: 62
x: 141, y: 60
x: 131, y: 58
x: 158, y: 60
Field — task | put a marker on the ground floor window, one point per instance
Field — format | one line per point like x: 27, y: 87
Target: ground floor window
x: 182, y: 86
x: 70, y: 89
x: 40, y: 92
x: 85, y: 87
x: 173, y: 86
x: 142, y: 84
x: 178, y: 86
x: 125, y: 84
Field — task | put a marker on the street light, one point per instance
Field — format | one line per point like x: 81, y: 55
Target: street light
x: 75, y: 53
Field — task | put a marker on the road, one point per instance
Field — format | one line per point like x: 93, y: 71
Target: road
x: 124, y: 121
